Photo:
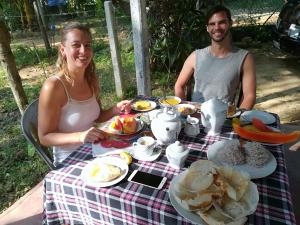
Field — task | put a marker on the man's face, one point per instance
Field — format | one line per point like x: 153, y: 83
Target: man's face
x: 218, y: 26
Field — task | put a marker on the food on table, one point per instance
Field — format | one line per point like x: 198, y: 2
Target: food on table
x: 185, y: 110
x: 252, y: 133
x: 126, y: 156
x: 104, y: 172
x: 231, y: 110
x: 219, y: 195
x: 256, y: 154
x: 213, y: 217
x: 142, y: 105
x: 124, y: 124
x: 170, y: 100
x: 260, y: 125
x: 232, y: 153
x: 251, y: 153
x: 109, y: 143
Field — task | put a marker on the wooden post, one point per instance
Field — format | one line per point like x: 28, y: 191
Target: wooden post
x: 42, y: 28
x: 114, y: 48
x: 40, y: 7
x: 141, y: 46
x: 9, y: 66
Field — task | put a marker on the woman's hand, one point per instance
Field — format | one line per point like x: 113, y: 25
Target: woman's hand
x: 123, y: 107
x: 91, y: 135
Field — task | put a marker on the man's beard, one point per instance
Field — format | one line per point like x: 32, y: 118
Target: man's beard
x: 219, y: 39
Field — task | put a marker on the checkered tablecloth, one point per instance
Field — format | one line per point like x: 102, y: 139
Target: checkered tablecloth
x: 68, y: 200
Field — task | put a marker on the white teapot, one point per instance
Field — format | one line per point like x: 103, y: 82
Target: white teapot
x: 166, y: 126
x: 213, y: 115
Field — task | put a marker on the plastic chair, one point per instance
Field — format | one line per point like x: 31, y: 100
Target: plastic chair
x: 29, y: 124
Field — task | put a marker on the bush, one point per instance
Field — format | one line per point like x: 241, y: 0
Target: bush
x: 176, y: 28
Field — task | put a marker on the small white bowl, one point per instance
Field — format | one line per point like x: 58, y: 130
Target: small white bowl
x: 186, y: 109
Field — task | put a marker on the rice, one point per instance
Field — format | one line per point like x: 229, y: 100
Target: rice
x: 231, y: 153
x: 256, y: 154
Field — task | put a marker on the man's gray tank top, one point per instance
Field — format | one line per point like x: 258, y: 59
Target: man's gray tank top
x: 217, y: 77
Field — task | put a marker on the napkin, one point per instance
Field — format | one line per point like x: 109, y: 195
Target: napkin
x: 99, y: 150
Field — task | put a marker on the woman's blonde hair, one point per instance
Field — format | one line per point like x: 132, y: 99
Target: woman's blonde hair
x: 61, y: 63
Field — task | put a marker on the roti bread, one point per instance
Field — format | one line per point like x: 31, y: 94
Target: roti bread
x: 220, y: 195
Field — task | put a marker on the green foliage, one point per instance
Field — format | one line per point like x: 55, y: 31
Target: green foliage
x: 175, y: 31
x: 10, y: 14
x: 24, y: 55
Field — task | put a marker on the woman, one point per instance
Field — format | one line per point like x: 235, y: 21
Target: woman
x: 69, y: 103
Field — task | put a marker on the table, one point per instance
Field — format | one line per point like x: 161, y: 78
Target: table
x: 68, y: 200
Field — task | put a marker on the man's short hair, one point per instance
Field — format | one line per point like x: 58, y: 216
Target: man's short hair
x: 216, y: 9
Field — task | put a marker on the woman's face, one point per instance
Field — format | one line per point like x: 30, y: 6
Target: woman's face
x: 77, y: 50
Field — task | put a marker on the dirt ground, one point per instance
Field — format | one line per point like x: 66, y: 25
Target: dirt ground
x: 278, y: 82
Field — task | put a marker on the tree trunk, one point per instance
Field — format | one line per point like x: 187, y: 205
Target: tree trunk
x: 28, y: 13
x: 9, y: 65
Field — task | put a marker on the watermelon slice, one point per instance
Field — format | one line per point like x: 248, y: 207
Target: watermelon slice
x: 114, y: 144
x: 260, y: 125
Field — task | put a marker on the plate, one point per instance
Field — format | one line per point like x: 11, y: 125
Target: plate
x: 193, y: 217
x: 134, y: 105
x: 106, y: 128
x: 191, y: 109
x: 116, y: 161
x: 265, y: 117
x: 156, y: 153
x: 169, y: 101
x: 252, y: 198
x: 254, y: 172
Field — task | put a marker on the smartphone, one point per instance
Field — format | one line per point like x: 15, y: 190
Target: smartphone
x: 147, y: 179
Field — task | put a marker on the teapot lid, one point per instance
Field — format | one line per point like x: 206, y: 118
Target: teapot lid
x: 192, y: 120
x: 177, y: 147
x: 167, y: 115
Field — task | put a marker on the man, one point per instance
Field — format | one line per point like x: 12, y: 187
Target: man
x: 219, y: 68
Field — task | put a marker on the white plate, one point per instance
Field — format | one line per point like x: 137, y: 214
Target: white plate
x: 254, y: 172
x: 152, y: 106
x: 192, y: 107
x: 193, y: 217
x: 265, y: 117
x: 156, y: 153
x: 116, y: 161
x: 106, y: 127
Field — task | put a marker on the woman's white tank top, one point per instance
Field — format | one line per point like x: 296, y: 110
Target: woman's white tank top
x: 75, y: 116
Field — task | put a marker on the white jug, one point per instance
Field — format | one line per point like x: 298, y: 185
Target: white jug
x: 192, y: 126
x: 213, y: 115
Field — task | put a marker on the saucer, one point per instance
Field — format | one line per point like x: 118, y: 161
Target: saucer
x: 156, y: 153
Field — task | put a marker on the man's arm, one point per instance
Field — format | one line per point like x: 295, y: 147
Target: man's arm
x: 184, y: 76
x: 249, y: 83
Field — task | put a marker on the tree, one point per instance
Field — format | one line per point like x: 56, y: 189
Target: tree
x: 9, y: 65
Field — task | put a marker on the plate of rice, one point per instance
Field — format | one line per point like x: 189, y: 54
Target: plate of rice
x: 252, y: 157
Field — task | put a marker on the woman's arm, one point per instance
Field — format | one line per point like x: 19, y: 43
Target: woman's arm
x: 121, y: 107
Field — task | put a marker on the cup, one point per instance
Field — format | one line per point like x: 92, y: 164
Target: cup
x: 192, y: 126
x: 144, y: 146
